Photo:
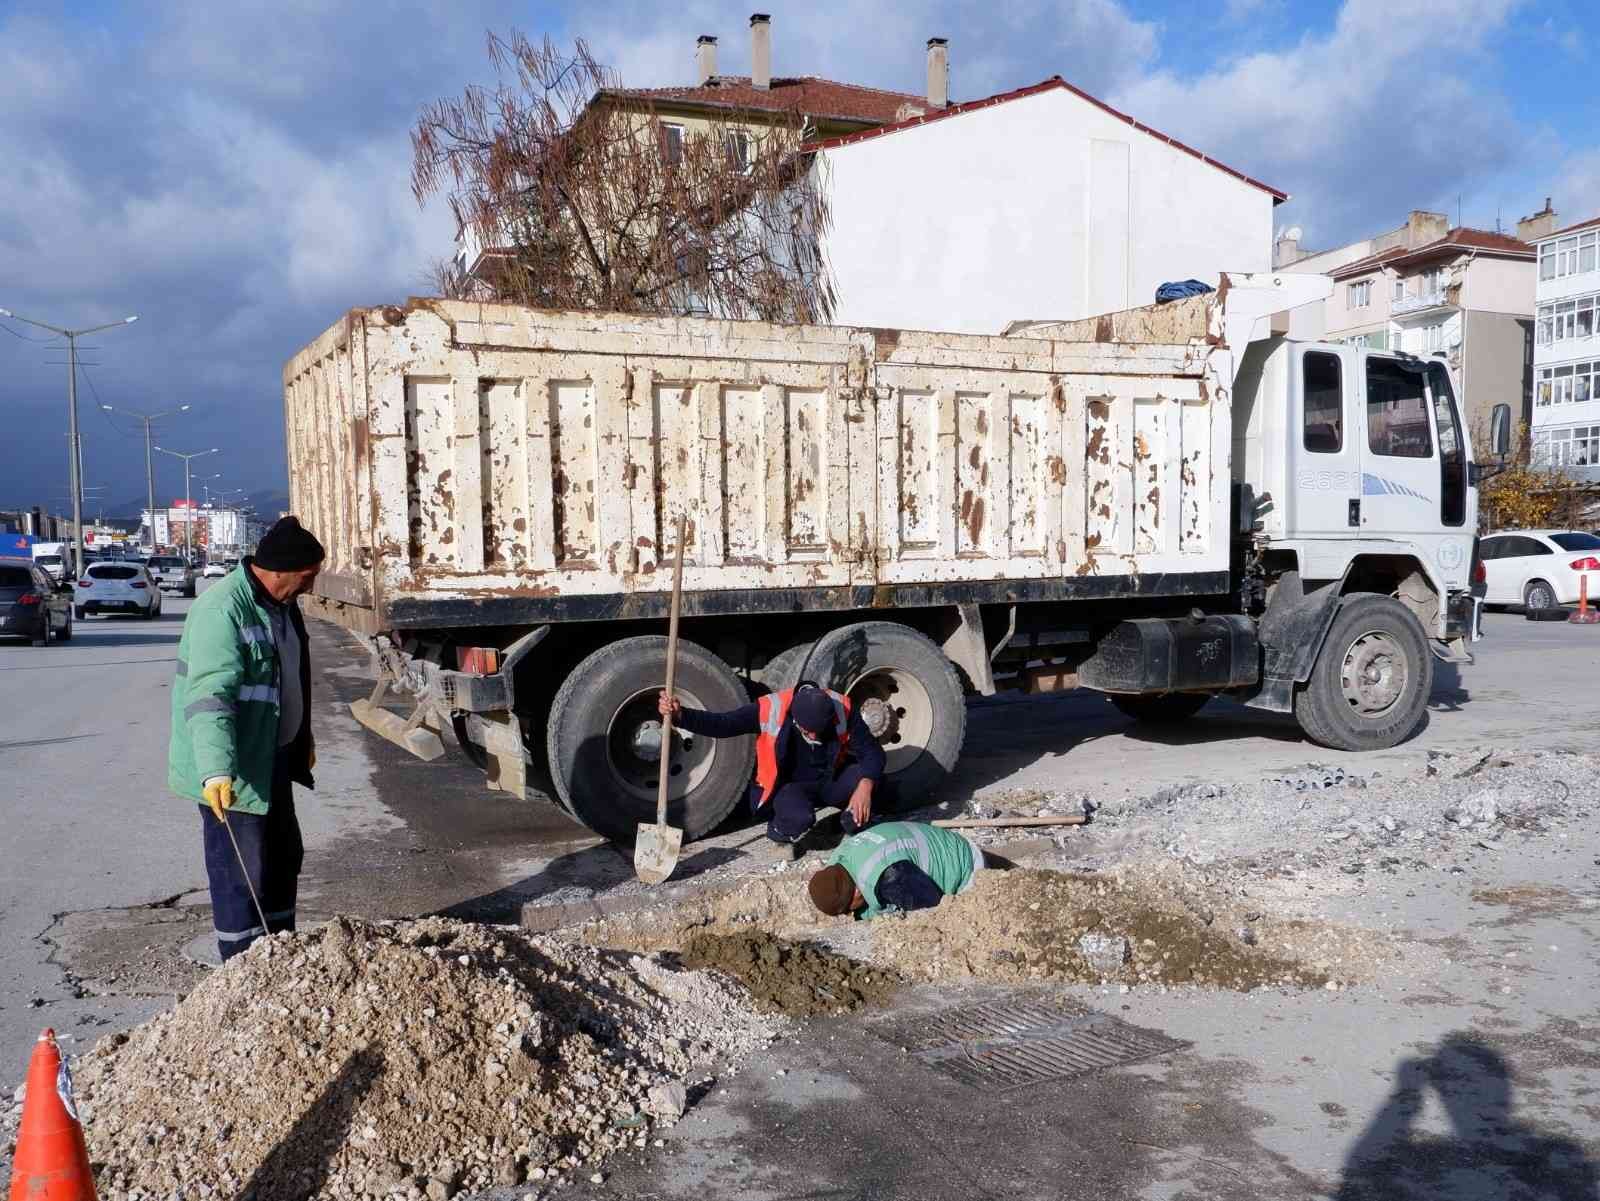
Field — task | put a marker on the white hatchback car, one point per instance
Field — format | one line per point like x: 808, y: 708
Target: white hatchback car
x: 116, y: 588
x: 1540, y: 569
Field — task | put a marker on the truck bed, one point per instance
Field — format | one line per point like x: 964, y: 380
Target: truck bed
x: 474, y: 464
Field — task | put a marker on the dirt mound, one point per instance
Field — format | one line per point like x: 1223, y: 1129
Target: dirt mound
x: 416, y: 1059
x: 801, y: 979
x: 1147, y: 927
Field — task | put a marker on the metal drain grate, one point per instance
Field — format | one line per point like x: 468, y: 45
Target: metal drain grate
x: 1002, y: 1045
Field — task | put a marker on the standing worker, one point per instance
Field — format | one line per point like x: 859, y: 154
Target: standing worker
x: 241, y: 732
x: 811, y: 751
x: 896, y: 865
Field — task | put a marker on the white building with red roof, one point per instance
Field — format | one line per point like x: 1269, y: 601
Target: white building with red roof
x: 1042, y: 202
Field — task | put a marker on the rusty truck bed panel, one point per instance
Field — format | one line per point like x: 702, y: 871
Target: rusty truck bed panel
x: 489, y: 458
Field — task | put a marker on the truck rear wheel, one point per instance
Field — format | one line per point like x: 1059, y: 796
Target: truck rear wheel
x: 782, y: 670
x: 896, y: 677
x: 1369, y: 687
x: 1160, y: 710
x: 604, y: 740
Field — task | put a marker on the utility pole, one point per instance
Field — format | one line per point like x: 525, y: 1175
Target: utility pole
x: 149, y: 468
x: 188, y: 503
x: 72, y: 336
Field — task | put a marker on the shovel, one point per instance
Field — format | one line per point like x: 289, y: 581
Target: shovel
x: 655, y: 850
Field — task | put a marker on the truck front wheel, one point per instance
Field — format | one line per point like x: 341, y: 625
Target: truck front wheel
x: 1370, y: 684
x: 604, y: 740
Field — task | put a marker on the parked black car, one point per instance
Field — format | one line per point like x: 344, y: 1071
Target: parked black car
x: 30, y: 605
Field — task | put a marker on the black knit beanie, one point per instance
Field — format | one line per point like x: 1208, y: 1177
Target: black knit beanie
x: 288, y: 546
x: 812, y: 708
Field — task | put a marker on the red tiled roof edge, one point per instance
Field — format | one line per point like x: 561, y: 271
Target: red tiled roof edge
x: 808, y: 93
x: 1055, y: 81
x: 1462, y: 238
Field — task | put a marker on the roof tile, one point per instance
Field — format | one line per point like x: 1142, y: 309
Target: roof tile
x: 800, y: 94
x: 1460, y: 238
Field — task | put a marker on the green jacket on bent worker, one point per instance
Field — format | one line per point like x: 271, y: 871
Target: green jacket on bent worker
x: 225, y: 697
x: 944, y: 858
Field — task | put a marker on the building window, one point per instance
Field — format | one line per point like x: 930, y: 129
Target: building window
x: 1547, y: 261
x: 1585, y: 317
x: 1433, y: 283
x: 1397, y: 411
x: 672, y: 143
x: 1358, y: 296
x: 1586, y: 250
x: 1567, y: 446
x: 736, y: 144
x: 1324, y: 403
x: 1399, y: 288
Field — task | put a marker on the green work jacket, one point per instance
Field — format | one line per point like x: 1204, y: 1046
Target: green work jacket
x: 225, y: 697
x: 946, y: 857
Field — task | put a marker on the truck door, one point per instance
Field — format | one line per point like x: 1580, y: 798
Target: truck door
x: 1413, y: 471
x: 1325, y: 493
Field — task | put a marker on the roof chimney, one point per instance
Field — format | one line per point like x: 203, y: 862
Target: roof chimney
x: 938, y: 72
x: 705, y: 58
x: 1539, y: 225
x: 760, y: 51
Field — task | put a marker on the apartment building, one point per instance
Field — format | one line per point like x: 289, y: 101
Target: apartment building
x: 1566, y: 356
x: 1427, y: 289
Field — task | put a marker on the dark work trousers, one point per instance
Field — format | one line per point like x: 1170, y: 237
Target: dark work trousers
x: 270, y: 845
x: 793, y: 807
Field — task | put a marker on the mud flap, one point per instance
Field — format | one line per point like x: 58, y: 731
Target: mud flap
x: 1292, y: 632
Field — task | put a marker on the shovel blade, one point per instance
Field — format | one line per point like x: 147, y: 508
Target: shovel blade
x: 655, y: 852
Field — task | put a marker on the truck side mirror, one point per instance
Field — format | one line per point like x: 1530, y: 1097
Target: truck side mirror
x: 1500, y: 431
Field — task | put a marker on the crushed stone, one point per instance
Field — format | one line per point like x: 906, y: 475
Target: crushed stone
x: 412, y: 1059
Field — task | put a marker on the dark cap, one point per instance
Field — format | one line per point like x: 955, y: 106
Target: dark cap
x: 832, y: 890
x: 288, y: 546
x: 812, y: 709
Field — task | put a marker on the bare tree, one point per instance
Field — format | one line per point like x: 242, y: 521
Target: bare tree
x: 588, y: 203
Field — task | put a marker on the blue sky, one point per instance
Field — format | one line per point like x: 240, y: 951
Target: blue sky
x: 237, y: 173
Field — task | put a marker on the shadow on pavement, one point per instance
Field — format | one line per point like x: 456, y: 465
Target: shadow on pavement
x: 117, y: 636
x: 298, y: 1165
x: 27, y: 742
x: 1448, y: 695
x: 1489, y: 1154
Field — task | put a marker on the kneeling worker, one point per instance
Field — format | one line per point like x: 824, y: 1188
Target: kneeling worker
x: 895, y: 865
x: 811, y: 751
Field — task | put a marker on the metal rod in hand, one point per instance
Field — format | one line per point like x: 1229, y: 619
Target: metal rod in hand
x: 248, y: 883
x: 672, y: 671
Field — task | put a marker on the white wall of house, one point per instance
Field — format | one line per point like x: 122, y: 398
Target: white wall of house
x: 1040, y: 207
x: 1497, y: 285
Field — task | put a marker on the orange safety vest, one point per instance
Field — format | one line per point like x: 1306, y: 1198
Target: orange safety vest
x: 774, y: 709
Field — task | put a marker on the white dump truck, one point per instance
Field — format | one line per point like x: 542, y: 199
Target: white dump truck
x: 1164, y: 504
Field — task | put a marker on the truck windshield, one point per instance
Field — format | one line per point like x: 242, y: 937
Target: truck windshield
x: 1452, y: 448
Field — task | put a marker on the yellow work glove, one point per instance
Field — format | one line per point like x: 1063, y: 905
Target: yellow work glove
x: 218, y: 792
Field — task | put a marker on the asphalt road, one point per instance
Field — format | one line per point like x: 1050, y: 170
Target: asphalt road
x: 101, y: 883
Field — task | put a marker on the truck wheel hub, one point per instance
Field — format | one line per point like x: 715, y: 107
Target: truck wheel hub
x: 1374, y: 674
x: 633, y: 749
x: 894, y: 705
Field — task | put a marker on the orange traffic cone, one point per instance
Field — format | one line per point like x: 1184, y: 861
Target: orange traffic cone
x: 51, y: 1163
x: 1584, y: 616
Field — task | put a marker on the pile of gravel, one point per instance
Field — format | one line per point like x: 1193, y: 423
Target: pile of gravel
x: 1433, y: 810
x: 403, y: 1060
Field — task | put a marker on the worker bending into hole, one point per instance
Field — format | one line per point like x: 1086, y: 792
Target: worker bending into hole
x: 895, y: 865
x: 811, y: 752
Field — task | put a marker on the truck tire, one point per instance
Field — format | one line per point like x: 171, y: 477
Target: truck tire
x: 1369, y: 686
x: 1160, y: 710
x: 927, y: 712
x: 604, y: 737
x: 781, y: 671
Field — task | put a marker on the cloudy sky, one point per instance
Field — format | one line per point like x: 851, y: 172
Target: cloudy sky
x: 237, y: 173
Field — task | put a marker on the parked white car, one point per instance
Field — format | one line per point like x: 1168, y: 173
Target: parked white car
x: 116, y: 588
x: 1540, y: 569
x: 214, y: 571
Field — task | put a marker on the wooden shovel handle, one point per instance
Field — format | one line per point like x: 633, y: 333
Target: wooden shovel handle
x: 967, y: 823
x: 672, y: 671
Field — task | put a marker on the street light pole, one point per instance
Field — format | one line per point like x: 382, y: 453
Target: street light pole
x: 72, y: 336
x: 188, y: 504
x: 149, y: 468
